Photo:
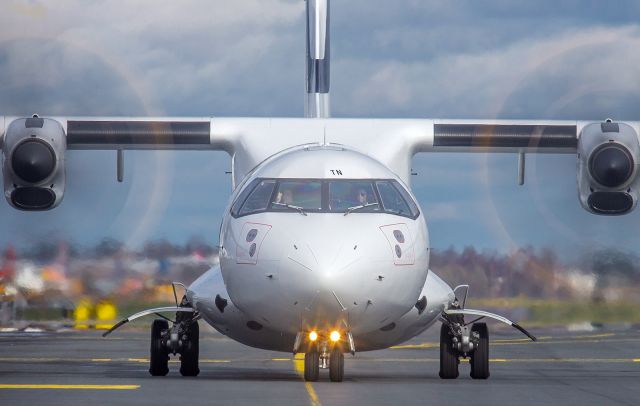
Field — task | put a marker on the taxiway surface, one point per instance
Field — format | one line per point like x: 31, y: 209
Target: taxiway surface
x: 80, y: 368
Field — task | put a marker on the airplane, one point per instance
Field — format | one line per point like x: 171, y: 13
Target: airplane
x: 324, y: 249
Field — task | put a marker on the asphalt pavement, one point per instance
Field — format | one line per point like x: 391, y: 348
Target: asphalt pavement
x: 599, y: 367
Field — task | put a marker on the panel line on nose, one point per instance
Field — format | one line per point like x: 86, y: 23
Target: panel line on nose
x: 338, y: 300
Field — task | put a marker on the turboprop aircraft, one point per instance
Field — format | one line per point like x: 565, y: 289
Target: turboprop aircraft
x: 324, y: 249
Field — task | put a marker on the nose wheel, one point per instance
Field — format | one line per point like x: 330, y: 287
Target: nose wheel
x: 316, y: 358
x: 336, y: 365
x: 311, y: 365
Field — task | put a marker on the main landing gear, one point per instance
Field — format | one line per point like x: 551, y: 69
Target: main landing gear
x: 458, y: 341
x: 182, y: 338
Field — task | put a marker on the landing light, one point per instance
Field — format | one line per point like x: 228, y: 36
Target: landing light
x: 334, y: 336
x: 313, y: 336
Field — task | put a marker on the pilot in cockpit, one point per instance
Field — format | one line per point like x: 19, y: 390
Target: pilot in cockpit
x: 285, y: 197
x: 362, y: 197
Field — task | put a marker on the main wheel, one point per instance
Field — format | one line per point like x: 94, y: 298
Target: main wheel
x: 190, y: 352
x: 159, y: 359
x: 448, y: 355
x: 480, y: 356
x: 336, y: 365
x: 311, y: 365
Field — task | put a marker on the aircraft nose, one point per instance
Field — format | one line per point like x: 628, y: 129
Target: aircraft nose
x: 344, y: 268
x: 322, y: 279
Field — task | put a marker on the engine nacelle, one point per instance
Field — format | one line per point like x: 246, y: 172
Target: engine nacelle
x: 608, y: 161
x: 33, y: 163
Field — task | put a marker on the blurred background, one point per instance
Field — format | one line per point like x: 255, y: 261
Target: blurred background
x: 110, y: 248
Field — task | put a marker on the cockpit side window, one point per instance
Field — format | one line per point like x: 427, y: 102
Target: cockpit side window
x: 259, y: 198
x: 407, y: 198
x: 235, y: 208
x: 392, y: 200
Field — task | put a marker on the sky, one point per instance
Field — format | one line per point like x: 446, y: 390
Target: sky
x: 411, y: 59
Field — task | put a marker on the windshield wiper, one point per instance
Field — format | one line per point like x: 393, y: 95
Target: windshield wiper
x: 290, y: 206
x: 362, y: 206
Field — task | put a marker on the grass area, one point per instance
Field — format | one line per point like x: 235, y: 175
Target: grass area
x: 546, y: 312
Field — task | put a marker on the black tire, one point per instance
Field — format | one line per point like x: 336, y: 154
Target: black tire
x: 158, y: 357
x: 480, y: 356
x: 448, y: 355
x: 311, y: 366
x: 191, y: 352
x: 336, y: 365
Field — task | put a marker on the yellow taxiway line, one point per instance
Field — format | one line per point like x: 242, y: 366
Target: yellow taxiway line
x: 515, y: 360
x: 589, y: 338
x: 84, y: 387
x: 298, y: 360
x: 298, y: 364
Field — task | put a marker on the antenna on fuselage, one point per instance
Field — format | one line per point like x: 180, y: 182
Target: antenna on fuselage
x: 318, y: 59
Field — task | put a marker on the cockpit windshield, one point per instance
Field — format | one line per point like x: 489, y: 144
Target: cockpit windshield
x: 325, y: 196
x: 298, y: 193
x: 351, y: 194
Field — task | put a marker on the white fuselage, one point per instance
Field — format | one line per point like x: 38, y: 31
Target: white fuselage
x: 284, y: 272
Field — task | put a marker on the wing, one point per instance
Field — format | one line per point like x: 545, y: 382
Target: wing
x: 171, y: 133
x: 504, y: 136
x: 34, y: 148
x: 393, y: 142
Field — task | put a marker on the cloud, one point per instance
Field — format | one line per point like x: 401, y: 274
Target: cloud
x: 550, y: 77
x: 414, y: 58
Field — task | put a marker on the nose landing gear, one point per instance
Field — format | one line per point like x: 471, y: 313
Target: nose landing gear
x: 324, y: 356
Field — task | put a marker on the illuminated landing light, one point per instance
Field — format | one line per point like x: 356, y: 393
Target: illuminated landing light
x: 334, y: 336
x: 313, y: 336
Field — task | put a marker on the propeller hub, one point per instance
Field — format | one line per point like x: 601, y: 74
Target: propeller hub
x: 33, y: 161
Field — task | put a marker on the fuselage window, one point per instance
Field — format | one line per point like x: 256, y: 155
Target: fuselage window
x: 259, y: 198
x: 345, y: 195
x: 306, y: 195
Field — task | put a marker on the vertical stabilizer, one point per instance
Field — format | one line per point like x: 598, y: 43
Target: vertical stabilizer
x: 318, y: 59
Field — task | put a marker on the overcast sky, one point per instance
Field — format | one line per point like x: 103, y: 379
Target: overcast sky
x: 414, y: 58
